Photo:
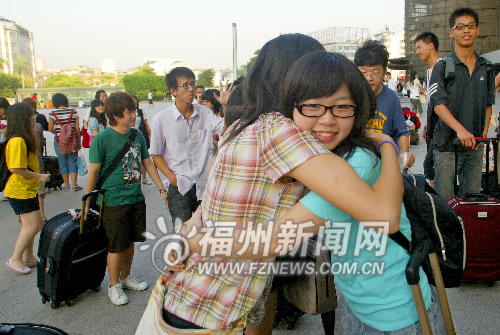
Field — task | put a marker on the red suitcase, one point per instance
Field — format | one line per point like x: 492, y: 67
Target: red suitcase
x: 481, y: 218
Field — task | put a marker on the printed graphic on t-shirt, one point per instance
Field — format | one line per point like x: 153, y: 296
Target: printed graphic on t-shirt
x: 132, y: 165
x: 376, y: 124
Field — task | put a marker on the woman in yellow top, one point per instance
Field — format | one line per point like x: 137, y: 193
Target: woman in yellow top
x: 22, y: 186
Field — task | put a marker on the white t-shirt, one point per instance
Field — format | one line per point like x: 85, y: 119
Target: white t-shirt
x: 392, y: 84
x: 150, y: 95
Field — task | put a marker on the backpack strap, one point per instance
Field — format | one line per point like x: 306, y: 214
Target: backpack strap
x: 400, y: 239
x: 117, y: 159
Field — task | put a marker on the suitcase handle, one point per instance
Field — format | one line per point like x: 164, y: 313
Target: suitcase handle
x: 84, y: 199
x: 417, y: 257
x: 478, y: 140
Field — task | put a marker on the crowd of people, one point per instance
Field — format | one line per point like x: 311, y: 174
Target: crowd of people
x: 301, y: 119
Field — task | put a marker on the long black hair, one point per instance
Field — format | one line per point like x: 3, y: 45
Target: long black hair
x: 209, y: 96
x: 101, y: 118
x: 19, y: 124
x: 263, y: 85
x: 321, y: 74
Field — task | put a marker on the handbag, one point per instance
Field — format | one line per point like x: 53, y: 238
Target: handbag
x: 314, y: 293
x: 82, y: 165
x: 85, y: 138
x: 152, y: 319
x: 423, y: 99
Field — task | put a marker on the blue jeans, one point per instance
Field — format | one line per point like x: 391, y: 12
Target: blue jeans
x: 67, y: 162
x: 470, y: 165
x: 353, y: 326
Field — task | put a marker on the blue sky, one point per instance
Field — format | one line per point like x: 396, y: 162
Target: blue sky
x: 68, y: 32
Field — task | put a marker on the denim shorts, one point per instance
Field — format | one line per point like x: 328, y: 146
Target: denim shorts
x: 353, y: 326
x: 67, y: 162
x: 23, y: 206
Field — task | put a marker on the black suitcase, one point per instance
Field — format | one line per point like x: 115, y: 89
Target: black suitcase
x: 51, y: 165
x: 29, y: 329
x: 72, y: 256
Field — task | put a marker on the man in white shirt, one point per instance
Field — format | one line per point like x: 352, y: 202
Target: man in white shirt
x: 391, y: 83
x: 182, y: 146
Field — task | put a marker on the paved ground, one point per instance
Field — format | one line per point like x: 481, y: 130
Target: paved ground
x: 474, y: 306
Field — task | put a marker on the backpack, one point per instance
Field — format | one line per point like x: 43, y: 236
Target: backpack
x: 449, y: 69
x: 4, y: 170
x: 68, y: 143
x: 142, y: 128
x: 431, y: 218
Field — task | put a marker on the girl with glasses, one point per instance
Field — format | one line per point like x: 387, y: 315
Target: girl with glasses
x: 262, y: 166
x: 380, y: 303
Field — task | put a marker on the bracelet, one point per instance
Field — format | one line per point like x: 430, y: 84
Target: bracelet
x: 162, y: 190
x: 388, y: 141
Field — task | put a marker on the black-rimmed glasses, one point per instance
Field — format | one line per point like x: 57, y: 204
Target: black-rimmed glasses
x: 316, y: 110
x: 186, y: 85
x: 461, y: 26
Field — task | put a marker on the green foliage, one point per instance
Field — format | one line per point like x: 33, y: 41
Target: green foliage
x: 8, y: 85
x: 250, y: 62
x: 145, y: 69
x: 140, y: 83
x: 63, y: 80
x: 23, y: 68
x: 206, y: 78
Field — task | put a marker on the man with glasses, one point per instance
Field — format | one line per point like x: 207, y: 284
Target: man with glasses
x: 182, y: 146
x: 371, y: 59
x: 463, y: 103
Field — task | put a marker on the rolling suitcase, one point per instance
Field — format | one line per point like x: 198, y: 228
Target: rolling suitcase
x: 481, y: 218
x: 51, y: 165
x: 72, y: 255
x: 29, y: 329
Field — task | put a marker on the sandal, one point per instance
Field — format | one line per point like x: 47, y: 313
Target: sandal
x: 26, y: 270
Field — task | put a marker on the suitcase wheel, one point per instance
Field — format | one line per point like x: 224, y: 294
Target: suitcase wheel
x: 44, y: 301
x: 69, y: 302
x: 491, y: 283
x: 54, y: 305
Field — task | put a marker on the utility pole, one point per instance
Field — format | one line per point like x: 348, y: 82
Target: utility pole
x: 235, y: 56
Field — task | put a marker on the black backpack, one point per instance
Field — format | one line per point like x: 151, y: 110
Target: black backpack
x: 4, y: 170
x: 142, y: 128
x: 431, y: 218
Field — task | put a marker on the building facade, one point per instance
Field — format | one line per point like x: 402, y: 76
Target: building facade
x: 163, y: 66
x: 16, y: 43
x: 433, y: 16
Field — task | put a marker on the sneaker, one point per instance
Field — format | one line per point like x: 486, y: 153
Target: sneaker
x: 116, y: 295
x: 77, y: 188
x: 147, y: 182
x: 133, y: 283
x: 3, y: 198
x: 66, y: 188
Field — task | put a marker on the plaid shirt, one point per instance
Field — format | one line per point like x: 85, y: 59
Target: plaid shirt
x: 242, y: 187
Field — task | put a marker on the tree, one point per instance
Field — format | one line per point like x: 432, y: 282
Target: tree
x: 8, y: 84
x: 140, y: 83
x: 23, y: 67
x: 63, y: 80
x: 252, y: 60
x: 145, y: 69
x: 206, y: 78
